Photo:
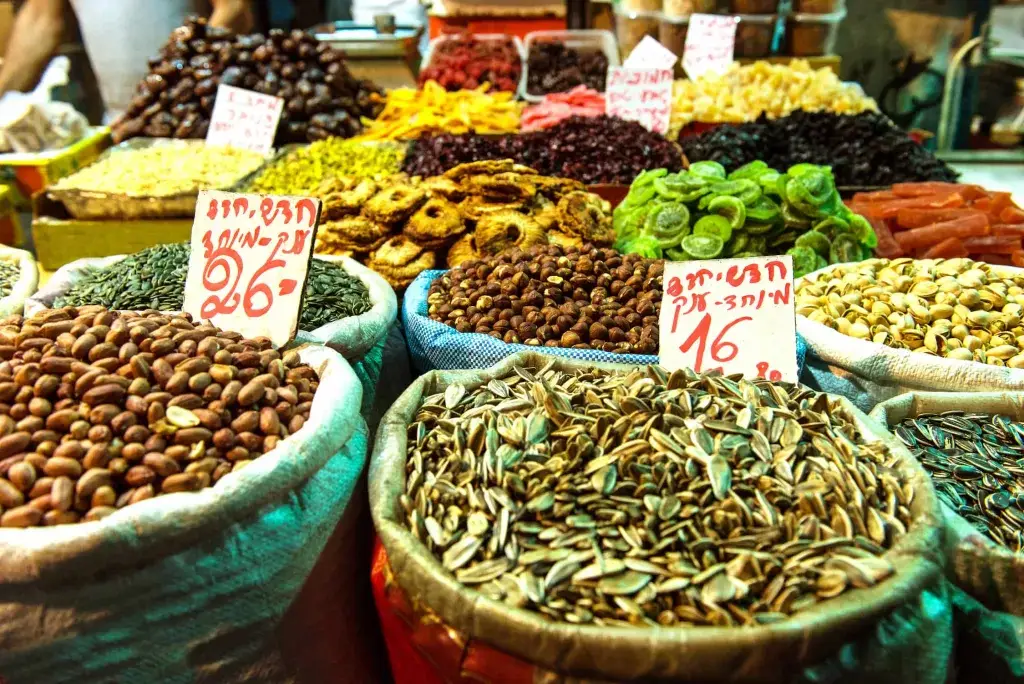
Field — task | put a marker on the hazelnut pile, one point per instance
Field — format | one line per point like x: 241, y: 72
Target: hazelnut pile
x: 322, y: 98
x: 582, y: 298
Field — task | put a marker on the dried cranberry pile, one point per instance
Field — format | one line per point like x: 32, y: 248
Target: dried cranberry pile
x: 600, y: 149
x: 553, y: 67
x: 464, y: 62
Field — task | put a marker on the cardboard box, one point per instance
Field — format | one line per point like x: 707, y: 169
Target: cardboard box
x: 61, y: 241
x: 30, y: 173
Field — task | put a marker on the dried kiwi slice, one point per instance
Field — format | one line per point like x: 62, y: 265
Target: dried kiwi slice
x: 668, y: 224
x: 702, y: 246
x: 864, y: 231
x: 738, y: 244
x: 677, y: 254
x: 844, y: 248
x: 753, y: 171
x: 714, y: 225
x: 815, y: 240
x: 710, y: 169
x: 731, y: 209
x: 745, y: 189
x: 804, y: 260
x: 764, y: 210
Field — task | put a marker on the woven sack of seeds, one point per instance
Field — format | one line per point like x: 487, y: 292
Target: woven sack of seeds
x: 434, y: 345
x: 892, y: 628
x: 360, y: 339
x: 990, y: 598
x: 868, y: 373
x: 19, y: 277
x: 192, y: 586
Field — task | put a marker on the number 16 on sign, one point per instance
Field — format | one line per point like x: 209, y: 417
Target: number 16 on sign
x: 733, y: 315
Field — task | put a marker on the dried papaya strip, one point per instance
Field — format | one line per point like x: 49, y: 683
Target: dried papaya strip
x: 947, y: 249
x: 993, y: 244
x: 1017, y: 258
x: 968, y: 191
x: 970, y: 226
x: 919, y: 218
x: 1012, y: 214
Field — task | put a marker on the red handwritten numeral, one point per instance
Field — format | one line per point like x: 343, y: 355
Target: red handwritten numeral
x: 700, y: 335
x: 763, y: 372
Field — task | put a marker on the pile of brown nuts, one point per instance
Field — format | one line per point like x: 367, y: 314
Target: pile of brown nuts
x: 584, y: 298
x: 101, y: 409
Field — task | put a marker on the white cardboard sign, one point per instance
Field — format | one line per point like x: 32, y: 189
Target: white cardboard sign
x: 643, y: 95
x: 249, y: 263
x: 244, y: 119
x: 650, y: 54
x: 736, y: 315
x: 710, y: 42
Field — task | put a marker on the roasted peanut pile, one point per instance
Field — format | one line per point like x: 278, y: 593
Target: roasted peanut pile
x: 955, y: 308
x: 101, y: 409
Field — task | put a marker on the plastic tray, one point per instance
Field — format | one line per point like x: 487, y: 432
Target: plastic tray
x: 516, y: 40
x: 811, y: 35
x: 585, y: 40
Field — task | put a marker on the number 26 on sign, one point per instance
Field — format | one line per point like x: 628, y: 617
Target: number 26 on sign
x: 249, y: 262
x: 732, y: 315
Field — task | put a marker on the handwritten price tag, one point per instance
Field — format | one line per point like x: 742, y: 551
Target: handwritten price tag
x: 650, y: 54
x: 643, y: 95
x: 710, y: 41
x: 250, y: 258
x: 245, y: 119
x: 735, y: 315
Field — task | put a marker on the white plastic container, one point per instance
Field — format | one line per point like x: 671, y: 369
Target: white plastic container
x: 584, y: 40
x: 429, y: 54
x: 811, y: 35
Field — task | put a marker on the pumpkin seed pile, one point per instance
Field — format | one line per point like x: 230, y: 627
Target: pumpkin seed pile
x: 977, y: 464
x: 155, y: 279
x: 955, y: 308
x: 10, y: 271
x: 648, y: 498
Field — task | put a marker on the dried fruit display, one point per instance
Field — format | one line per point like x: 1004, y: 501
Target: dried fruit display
x: 581, y: 297
x: 863, y: 150
x: 944, y: 220
x: 401, y: 226
x: 465, y: 62
x: 164, y: 170
x: 743, y: 93
x: 302, y: 171
x: 322, y: 98
x: 105, y: 409
x: 954, y: 308
x: 410, y: 113
x: 554, y: 67
x: 600, y: 149
x: 703, y: 213
x: 642, y: 498
x: 557, y: 107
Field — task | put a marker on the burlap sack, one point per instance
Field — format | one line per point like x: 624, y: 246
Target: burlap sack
x: 14, y: 303
x: 898, y: 631
x: 988, y: 573
x: 867, y: 373
x: 189, y: 587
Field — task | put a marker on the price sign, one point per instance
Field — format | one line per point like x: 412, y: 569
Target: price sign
x: 650, y: 54
x: 643, y: 95
x: 245, y: 119
x: 734, y: 315
x: 250, y: 258
x: 710, y: 41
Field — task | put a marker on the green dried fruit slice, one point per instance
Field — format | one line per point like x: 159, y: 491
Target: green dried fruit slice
x: 769, y: 181
x: 677, y: 254
x: 758, y: 244
x: 757, y: 228
x: 628, y: 222
x: 792, y: 218
x: 845, y: 248
x: 821, y: 263
x: 745, y: 189
x: 709, y: 169
x: 731, y: 209
x: 804, y: 260
x: 642, y: 244
x: 702, y: 246
x: 639, y: 196
x: 738, y: 244
x: 786, y: 239
x: 815, y: 240
x: 833, y: 226
x: 645, y: 178
x: 715, y: 225
x: 753, y: 171
x: 863, y: 229
x: 746, y: 255
x: 668, y: 224
x: 764, y: 210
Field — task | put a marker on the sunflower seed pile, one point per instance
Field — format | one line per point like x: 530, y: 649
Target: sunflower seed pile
x: 10, y: 271
x: 976, y: 461
x: 648, y: 498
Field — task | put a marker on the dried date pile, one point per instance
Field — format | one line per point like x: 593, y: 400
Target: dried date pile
x: 591, y: 150
x: 322, y: 98
x: 584, y: 298
x: 554, y: 67
x: 100, y: 409
x: 864, y: 150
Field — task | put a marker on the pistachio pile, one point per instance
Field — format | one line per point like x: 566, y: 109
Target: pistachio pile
x: 10, y: 272
x: 954, y: 308
x: 102, y: 409
x: 303, y: 170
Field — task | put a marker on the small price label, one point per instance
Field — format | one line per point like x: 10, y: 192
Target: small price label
x: 244, y: 119
x: 710, y: 42
x: 643, y: 95
x: 732, y: 315
x: 650, y: 54
x: 250, y: 258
